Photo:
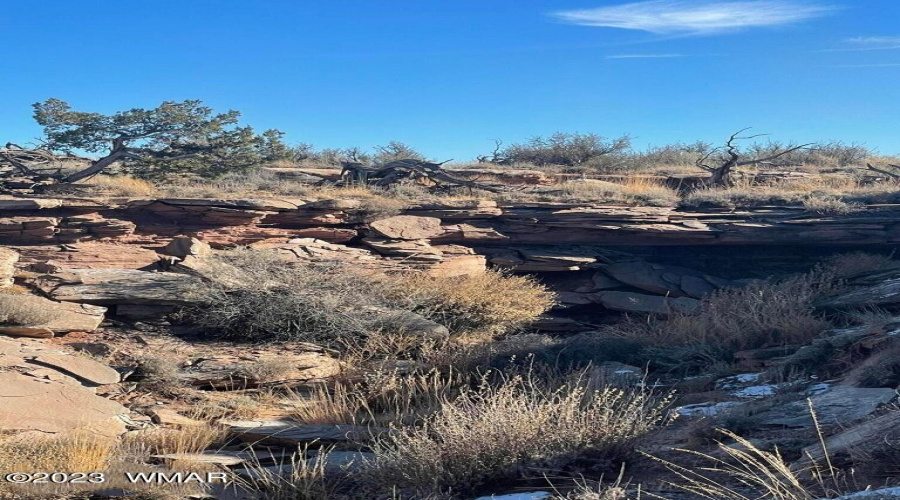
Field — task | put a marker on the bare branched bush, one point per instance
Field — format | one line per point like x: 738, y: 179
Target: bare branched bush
x: 850, y: 264
x: 751, y: 316
x: 568, y: 149
x: 493, y: 431
x: 258, y: 295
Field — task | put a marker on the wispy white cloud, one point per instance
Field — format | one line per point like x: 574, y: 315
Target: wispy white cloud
x: 873, y: 43
x: 682, y: 17
x: 644, y: 56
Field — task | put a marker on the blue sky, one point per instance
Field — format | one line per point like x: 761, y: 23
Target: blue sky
x: 449, y: 77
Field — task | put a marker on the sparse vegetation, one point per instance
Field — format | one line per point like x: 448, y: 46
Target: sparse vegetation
x: 258, y: 295
x: 490, y: 433
x: 746, y: 317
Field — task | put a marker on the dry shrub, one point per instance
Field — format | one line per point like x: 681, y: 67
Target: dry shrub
x: 491, y: 302
x: 755, y: 315
x: 373, y: 208
x: 307, y: 480
x: 851, y: 264
x: 491, y: 432
x: 829, y: 205
x: 642, y: 191
x: 257, y: 295
x: 162, y: 441
x: 77, y: 452
x: 123, y: 185
x: 383, y: 398
x: 744, y: 471
x: 22, y: 309
x: 158, y: 374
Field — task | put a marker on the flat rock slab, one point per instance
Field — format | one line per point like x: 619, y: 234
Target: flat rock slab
x: 119, y: 286
x: 32, y: 404
x: 642, y: 303
x: 81, y: 367
x: 840, y: 405
x: 881, y: 294
x: 203, y: 458
x: 408, y: 227
x: 869, y: 434
x: 290, y: 433
x: 665, y: 280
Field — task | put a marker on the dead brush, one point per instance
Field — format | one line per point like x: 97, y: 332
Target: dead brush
x: 751, y: 316
x: 384, y: 398
x: 497, y: 430
x: 491, y: 302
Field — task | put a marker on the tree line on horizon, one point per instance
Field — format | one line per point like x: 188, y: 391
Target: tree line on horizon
x: 188, y: 138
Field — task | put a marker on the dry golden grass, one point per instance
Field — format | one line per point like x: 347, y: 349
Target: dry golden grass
x: 384, y: 398
x: 24, y: 309
x: 257, y: 295
x: 746, y: 472
x: 161, y: 441
x: 78, y: 452
x: 123, y: 185
x: 494, y: 431
x: 491, y: 302
x: 307, y: 480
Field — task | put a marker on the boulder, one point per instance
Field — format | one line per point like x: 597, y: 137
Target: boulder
x: 865, y: 436
x: 672, y: 281
x: 118, y: 286
x: 408, y: 227
x: 838, y: 406
x: 54, y: 407
x: 880, y: 289
x: 64, y: 317
x: 292, y: 434
x: 642, y: 303
x: 183, y: 246
x: 8, y: 259
x: 80, y: 367
x: 232, y: 372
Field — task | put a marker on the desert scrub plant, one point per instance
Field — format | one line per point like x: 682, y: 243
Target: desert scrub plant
x: 492, y: 302
x: 754, y: 315
x: 829, y: 205
x: 161, y: 441
x: 493, y: 431
x: 158, y: 374
x: 257, y: 295
x: 25, y: 309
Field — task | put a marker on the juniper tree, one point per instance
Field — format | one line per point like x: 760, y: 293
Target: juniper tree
x: 174, y: 137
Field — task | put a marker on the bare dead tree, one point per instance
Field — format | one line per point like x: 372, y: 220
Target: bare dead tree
x: 496, y: 157
x: 892, y: 175
x: 407, y: 169
x: 729, y: 157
